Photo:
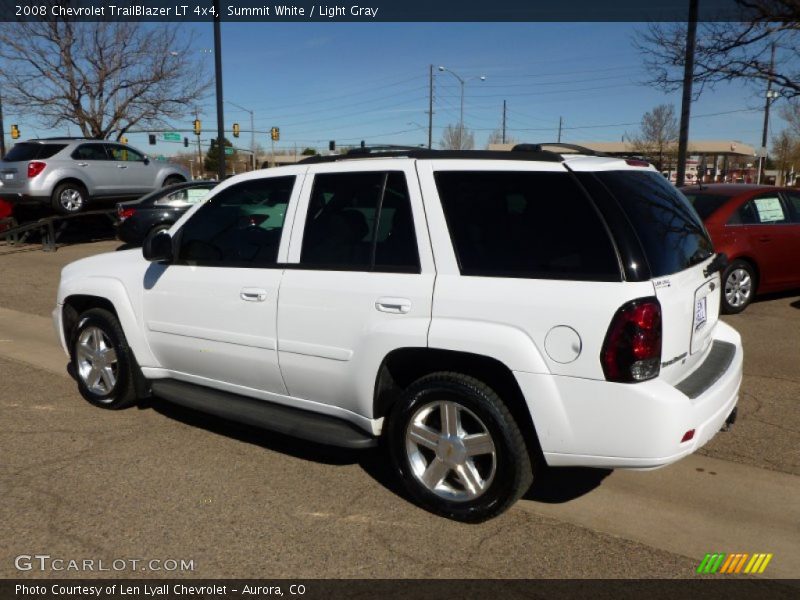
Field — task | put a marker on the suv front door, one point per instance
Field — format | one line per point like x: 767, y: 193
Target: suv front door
x: 135, y: 175
x: 211, y: 316
x: 358, y: 284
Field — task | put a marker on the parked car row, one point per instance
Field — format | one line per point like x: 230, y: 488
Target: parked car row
x: 758, y: 228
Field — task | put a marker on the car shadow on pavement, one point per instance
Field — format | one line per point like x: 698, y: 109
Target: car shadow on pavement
x: 553, y: 485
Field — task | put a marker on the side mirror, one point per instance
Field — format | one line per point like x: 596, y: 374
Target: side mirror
x: 146, y: 160
x: 158, y: 247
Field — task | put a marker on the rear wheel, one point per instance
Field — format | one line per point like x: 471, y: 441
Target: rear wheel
x: 69, y: 198
x: 457, y: 448
x: 102, y: 360
x: 738, y: 286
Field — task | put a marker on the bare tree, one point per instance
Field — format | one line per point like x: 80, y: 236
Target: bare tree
x: 658, y: 136
x: 791, y: 113
x: 786, y: 155
x: 496, y: 137
x: 105, y: 78
x: 457, y: 137
x: 727, y: 51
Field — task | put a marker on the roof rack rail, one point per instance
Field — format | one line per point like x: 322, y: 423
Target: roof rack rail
x: 425, y: 153
x: 540, y: 147
x: 63, y: 137
x: 362, y: 150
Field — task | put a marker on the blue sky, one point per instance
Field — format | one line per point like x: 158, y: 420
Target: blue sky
x: 354, y: 81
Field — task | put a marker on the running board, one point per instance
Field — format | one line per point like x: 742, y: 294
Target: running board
x: 295, y: 422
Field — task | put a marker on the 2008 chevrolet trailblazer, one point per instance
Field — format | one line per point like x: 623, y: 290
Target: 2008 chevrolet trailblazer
x: 482, y: 312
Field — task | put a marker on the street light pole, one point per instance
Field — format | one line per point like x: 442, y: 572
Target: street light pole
x: 463, y: 82
x: 218, y: 77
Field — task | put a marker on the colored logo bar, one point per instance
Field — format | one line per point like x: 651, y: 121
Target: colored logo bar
x: 719, y: 562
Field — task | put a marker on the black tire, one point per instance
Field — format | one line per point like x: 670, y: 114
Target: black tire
x: 69, y: 198
x: 122, y: 393
x: 172, y: 180
x: 739, y: 284
x: 513, y: 469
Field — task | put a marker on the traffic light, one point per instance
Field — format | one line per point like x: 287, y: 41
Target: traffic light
x: 197, y: 127
x: 152, y: 139
x: 186, y: 142
x: 236, y: 130
x: 123, y: 139
x: 275, y: 134
x: 14, y: 132
x: 332, y: 145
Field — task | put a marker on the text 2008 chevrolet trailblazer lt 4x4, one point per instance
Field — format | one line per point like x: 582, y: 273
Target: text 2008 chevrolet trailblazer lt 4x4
x: 483, y: 313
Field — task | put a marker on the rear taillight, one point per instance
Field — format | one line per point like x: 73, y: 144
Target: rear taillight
x: 632, y: 348
x: 125, y: 213
x: 35, y: 167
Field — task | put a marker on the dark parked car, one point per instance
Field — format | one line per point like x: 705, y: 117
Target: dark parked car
x: 758, y: 227
x: 158, y: 210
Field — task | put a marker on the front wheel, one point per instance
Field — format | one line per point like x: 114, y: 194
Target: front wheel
x: 102, y: 360
x: 738, y: 286
x: 457, y: 448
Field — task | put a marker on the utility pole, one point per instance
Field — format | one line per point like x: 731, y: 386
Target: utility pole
x: 686, y: 102
x: 218, y: 77
x: 763, y: 152
x: 2, y: 131
x: 504, y: 121
x: 430, y: 107
x: 560, y: 123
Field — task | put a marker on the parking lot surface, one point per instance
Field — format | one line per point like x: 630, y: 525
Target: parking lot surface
x: 160, y: 482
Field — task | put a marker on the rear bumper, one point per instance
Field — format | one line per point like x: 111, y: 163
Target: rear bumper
x: 589, y: 423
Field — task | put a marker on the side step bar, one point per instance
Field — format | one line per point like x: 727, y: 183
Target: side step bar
x: 298, y: 423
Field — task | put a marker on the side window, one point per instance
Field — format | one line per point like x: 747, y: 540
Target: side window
x: 793, y: 200
x: 90, y: 152
x: 360, y: 222
x: 183, y: 197
x: 121, y: 153
x: 239, y: 227
x: 525, y: 224
x: 766, y: 210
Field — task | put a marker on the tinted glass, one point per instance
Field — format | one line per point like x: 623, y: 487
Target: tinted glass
x: 669, y: 229
x: 523, y: 224
x: 240, y: 226
x: 25, y: 151
x: 121, y: 153
x: 793, y: 199
x: 186, y: 196
x: 360, y: 221
x: 706, y: 204
x: 90, y: 152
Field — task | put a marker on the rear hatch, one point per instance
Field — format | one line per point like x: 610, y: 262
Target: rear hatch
x: 679, y: 253
x: 14, y: 166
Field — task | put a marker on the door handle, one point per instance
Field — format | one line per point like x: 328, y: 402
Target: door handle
x: 398, y: 306
x: 122, y: 166
x: 764, y: 238
x: 253, y: 294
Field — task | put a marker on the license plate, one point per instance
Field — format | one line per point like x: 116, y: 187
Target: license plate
x: 700, y: 313
x: 8, y: 176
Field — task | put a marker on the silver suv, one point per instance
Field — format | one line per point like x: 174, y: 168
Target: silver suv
x: 67, y: 173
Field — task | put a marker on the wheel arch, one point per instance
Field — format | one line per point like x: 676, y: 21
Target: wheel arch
x: 403, y: 366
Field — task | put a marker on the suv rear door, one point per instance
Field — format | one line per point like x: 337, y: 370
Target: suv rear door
x: 358, y: 282
x: 96, y: 168
x: 678, y: 251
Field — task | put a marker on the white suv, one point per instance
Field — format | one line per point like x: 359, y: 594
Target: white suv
x: 482, y: 312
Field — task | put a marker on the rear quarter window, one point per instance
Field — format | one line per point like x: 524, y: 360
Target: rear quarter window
x: 525, y: 224
x: 670, y: 231
x: 26, y: 151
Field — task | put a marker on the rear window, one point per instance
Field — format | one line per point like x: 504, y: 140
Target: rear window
x: 525, y: 224
x: 27, y: 151
x: 706, y: 204
x: 670, y: 231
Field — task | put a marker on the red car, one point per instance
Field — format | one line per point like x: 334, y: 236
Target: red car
x: 758, y: 227
x: 6, y: 212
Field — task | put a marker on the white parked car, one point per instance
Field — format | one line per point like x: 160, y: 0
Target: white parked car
x: 486, y: 313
